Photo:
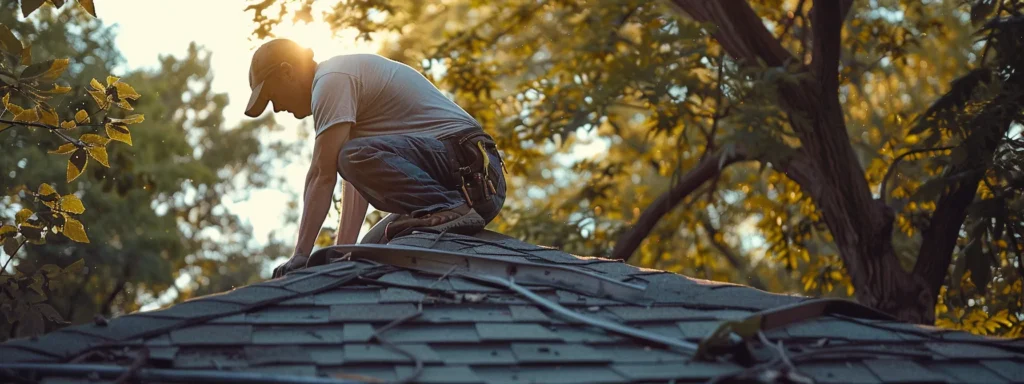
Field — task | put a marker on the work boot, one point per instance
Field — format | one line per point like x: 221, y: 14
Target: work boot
x: 462, y: 220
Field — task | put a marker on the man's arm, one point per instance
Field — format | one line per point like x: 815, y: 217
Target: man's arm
x: 320, y: 183
x: 353, y: 213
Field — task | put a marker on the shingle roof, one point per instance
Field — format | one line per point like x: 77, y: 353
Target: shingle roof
x: 492, y: 309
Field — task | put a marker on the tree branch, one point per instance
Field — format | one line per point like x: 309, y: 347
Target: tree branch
x: 734, y: 260
x: 883, y: 191
x: 4, y: 268
x: 833, y: 175
x: 939, y: 239
x: 739, y: 30
x: 827, y: 25
x: 704, y: 171
x: 51, y: 128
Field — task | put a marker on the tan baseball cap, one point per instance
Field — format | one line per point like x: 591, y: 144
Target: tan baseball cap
x: 265, y: 62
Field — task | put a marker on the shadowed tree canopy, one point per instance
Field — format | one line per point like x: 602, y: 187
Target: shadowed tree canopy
x: 157, y: 212
x: 867, y: 149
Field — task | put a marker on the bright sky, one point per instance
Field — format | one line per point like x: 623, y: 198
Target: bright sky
x: 147, y: 29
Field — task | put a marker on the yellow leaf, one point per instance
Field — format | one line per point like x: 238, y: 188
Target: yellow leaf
x: 945, y: 323
x: 100, y: 154
x: 131, y: 119
x: 27, y: 116
x: 64, y: 149
x: 123, y: 103
x: 56, y: 69
x: 119, y: 132
x: 69, y: 124
x: 71, y: 204
x: 126, y: 91
x: 77, y: 164
x: 1001, y: 318
x: 7, y: 230
x: 74, y: 230
x: 100, y: 98
x: 59, y: 89
x: 12, y: 108
x: 96, y: 85
x: 48, y: 116
x: 26, y: 55
x: 94, y: 140
x: 89, y: 6
x: 22, y: 215
x: 46, y: 189
x: 82, y: 117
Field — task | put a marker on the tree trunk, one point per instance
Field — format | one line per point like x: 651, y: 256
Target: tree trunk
x: 830, y: 172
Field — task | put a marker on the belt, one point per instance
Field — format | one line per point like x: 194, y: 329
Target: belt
x: 470, y: 163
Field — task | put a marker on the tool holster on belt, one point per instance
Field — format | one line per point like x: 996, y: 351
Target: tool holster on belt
x: 467, y: 152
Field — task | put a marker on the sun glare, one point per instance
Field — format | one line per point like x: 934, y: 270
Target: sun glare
x: 325, y: 43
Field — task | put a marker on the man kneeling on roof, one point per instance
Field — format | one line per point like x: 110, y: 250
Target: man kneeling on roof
x: 396, y: 140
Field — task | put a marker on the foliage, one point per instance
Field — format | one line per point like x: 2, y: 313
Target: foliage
x: 24, y: 80
x: 156, y: 217
x: 601, y: 106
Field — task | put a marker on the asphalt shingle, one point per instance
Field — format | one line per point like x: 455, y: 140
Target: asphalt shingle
x: 968, y: 373
x: 559, y: 374
x: 896, y: 371
x: 839, y: 373
x: 514, y: 331
x: 213, y: 335
x: 463, y: 331
x: 478, y: 354
x: 557, y: 353
x: 675, y: 371
x: 370, y: 312
x: 285, y: 335
x: 289, y: 315
x: 1012, y: 370
x: 374, y: 353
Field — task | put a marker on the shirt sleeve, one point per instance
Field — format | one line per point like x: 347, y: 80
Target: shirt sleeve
x: 334, y: 100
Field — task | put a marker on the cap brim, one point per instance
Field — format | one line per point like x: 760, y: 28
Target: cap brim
x: 257, y: 103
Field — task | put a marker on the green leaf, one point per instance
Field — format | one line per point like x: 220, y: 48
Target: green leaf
x: 37, y: 286
x: 48, y: 312
x: 45, y: 70
x: 10, y: 246
x: 51, y: 270
x: 32, y: 233
x: 75, y: 267
x: 9, y: 42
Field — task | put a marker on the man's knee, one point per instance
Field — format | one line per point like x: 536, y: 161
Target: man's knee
x: 351, y: 154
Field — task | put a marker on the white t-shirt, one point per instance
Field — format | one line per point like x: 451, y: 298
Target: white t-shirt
x: 381, y: 96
